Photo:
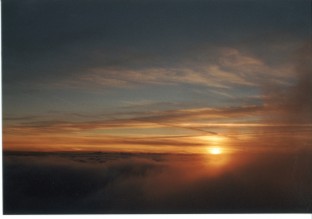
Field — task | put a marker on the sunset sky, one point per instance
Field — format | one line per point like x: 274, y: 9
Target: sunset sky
x: 157, y: 76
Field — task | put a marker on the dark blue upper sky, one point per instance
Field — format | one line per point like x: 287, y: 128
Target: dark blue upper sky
x: 48, y: 39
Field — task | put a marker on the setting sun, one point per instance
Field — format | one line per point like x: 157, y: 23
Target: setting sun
x: 215, y: 150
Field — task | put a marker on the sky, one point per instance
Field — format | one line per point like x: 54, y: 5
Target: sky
x: 157, y: 76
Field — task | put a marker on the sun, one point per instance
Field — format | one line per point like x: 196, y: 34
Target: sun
x: 215, y: 150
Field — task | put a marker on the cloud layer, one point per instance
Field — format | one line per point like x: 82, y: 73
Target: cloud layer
x: 156, y: 183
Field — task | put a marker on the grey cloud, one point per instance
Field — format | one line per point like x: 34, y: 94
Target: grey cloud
x: 294, y: 103
x: 142, y: 183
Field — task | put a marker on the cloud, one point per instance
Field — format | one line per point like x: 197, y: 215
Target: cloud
x: 80, y: 185
x: 168, y: 118
x: 170, y: 130
x: 231, y: 68
x: 156, y: 183
x: 294, y: 102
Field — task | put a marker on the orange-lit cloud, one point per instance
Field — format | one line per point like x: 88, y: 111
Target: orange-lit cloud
x: 169, y: 118
x: 195, y: 128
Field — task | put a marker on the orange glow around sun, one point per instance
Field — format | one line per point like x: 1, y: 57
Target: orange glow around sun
x: 215, y: 150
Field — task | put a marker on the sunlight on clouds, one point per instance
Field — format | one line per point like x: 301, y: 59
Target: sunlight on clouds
x: 213, y: 140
